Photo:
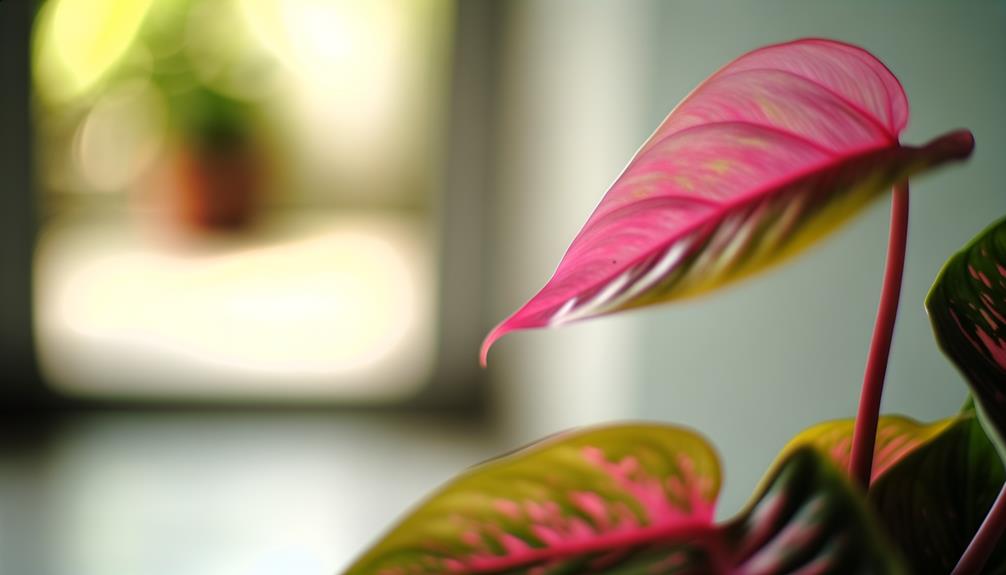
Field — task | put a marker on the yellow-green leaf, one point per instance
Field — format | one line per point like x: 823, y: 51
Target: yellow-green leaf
x: 632, y: 500
x: 897, y: 436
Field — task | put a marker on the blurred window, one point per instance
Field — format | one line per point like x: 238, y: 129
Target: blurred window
x: 240, y: 198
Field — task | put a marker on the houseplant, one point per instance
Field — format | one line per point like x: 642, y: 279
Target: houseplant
x: 766, y: 156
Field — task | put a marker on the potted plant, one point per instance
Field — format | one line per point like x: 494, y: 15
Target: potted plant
x: 218, y: 168
x: 766, y: 156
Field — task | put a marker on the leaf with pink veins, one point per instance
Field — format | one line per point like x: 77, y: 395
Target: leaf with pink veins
x: 932, y: 484
x: 897, y: 437
x: 630, y: 499
x: 967, y: 307
x: 762, y: 159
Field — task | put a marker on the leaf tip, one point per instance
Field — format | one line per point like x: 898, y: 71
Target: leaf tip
x: 497, y: 332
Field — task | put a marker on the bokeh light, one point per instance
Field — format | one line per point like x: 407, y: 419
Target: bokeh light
x: 121, y: 137
x: 78, y: 41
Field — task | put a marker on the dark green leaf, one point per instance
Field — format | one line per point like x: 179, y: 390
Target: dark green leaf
x: 933, y: 500
x: 967, y: 306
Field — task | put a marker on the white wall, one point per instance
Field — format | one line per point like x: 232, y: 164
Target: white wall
x: 573, y: 84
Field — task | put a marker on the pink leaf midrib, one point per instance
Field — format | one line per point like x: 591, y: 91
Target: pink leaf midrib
x: 961, y: 143
x: 834, y: 158
x: 692, y: 533
x: 722, y: 209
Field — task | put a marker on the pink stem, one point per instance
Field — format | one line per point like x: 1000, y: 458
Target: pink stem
x: 984, y: 543
x: 865, y: 434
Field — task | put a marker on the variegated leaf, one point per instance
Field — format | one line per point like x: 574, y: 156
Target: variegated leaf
x: 574, y: 498
x: 967, y: 307
x: 932, y: 483
x: 765, y: 157
x: 631, y: 500
x: 897, y: 436
x: 808, y: 519
x: 934, y: 498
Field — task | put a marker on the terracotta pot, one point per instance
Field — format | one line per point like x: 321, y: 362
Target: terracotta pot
x: 218, y: 187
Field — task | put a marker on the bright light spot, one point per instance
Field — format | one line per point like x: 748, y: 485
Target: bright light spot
x: 333, y: 309
x: 332, y: 303
x: 362, y: 80
x: 121, y: 136
x: 78, y: 41
x: 349, y: 55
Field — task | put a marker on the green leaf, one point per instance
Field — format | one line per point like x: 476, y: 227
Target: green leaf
x: 933, y: 500
x: 967, y: 307
x: 627, y: 500
x: 605, y: 490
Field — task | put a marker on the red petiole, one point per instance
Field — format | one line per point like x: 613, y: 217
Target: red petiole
x: 865, y: 433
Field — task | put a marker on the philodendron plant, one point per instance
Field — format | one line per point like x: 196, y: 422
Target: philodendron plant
x: 763, y: 158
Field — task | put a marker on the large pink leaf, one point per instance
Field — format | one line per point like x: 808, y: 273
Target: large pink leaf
x: 764, y: 157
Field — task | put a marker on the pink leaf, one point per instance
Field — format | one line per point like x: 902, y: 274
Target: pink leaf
x: 763, y: 158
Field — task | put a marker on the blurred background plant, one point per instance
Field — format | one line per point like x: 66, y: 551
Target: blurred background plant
x: 123, y: 85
